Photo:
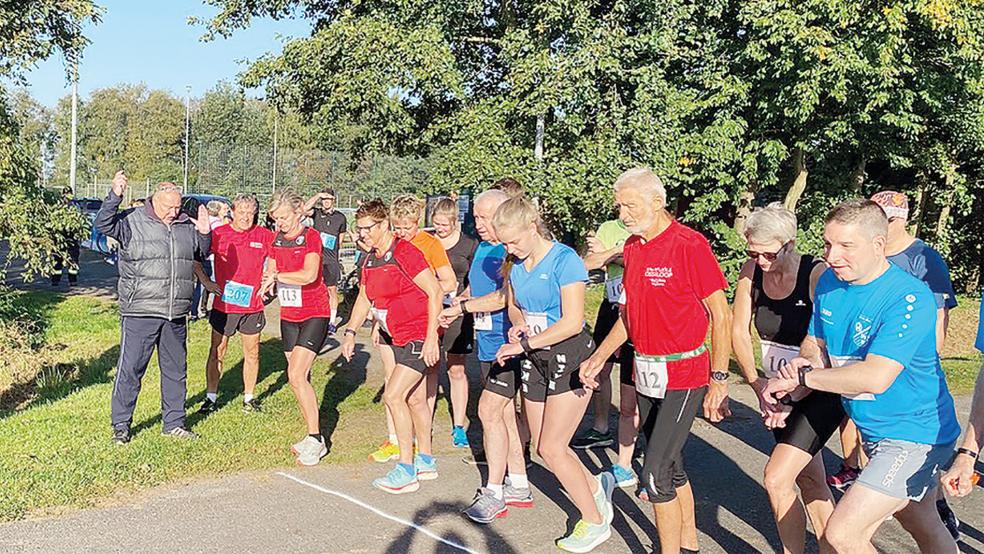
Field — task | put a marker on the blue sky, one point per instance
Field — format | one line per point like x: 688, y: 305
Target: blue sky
x: 150, y: 42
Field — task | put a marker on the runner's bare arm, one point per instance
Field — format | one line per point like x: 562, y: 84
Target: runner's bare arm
x: 598, y: 260
x: 615, y: 338
x: 942, y: 326
x: 445, y: 276
x: 872, y: 375
x: 306, y: 274
x: 959, y: 479
x: 813, y: 350
x: 311, y: 203
x: 741, y: 325
x: 716, y: 401
x: 571, y: 320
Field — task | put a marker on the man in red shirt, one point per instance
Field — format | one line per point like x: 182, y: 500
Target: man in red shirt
x: 673, y: 289
x: 240, y: 250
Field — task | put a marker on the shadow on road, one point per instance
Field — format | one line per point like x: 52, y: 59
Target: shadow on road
x: 494, y: 542
x: 346, y: 378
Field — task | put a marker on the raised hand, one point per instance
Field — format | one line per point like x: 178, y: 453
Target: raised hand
x: 120, y: 183
x: 201, y: 222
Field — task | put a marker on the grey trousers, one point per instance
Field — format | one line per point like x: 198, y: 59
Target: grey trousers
x: 139, y: 337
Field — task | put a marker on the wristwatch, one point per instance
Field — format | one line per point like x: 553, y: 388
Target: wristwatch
x: 968, y: 452
x: 462, y: 306
x: 802, y: 374
x: 719, y: 376
x: 349, y: 330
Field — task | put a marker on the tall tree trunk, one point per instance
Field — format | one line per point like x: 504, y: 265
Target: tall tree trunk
x: 858, y: 176
x: 949, y: 193
x: 916, y: 220
x: 798, y: 185
x: 744, y: 207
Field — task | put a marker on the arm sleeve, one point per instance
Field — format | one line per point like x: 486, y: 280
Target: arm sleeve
x: 571, y: 269
x: 438, y: 255
x: 704, y: 272
x: 938, y: 279
x: 110, y: 221
x: 204, y: 243
x: 904, y: 326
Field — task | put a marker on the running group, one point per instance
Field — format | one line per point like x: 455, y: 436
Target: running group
x: 848, y: 343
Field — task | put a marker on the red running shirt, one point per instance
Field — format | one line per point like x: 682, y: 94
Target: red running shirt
x: 299, y: 303
x: 396, y: 299
x: 664, y: 283
x: 238, y: 263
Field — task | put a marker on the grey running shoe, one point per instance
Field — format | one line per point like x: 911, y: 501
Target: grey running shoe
x: 517, y: 497
x: 180, y: 433
x: 485, y: 508
x: 310, y: 451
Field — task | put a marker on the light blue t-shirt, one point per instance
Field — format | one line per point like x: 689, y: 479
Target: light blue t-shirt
x: 485, y: 277
x: 893, y: 316
x: 923, y: 262
x: 537, y: 292
x: 980, y: 328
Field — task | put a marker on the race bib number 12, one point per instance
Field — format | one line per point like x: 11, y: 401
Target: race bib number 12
x: 651, y: 377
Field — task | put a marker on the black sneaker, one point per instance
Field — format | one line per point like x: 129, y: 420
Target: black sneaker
x: 180, y: 433
x: 251, y: 406
x: 949, y: 518
x: 208, y: 407
x: 592, y: 439
x: 121, y: 435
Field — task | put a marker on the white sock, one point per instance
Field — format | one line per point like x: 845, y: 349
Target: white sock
x: 496, y: 490
x: 247, y: 397
x: 519, y: 480
x: 393, y: 440
x: 213, y: 396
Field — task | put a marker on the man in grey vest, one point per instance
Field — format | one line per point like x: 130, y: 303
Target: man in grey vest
x: 156, y: 266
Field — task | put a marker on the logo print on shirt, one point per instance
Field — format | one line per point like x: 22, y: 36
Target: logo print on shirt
x: 300, y: 239
x: 800, y: 303
x: 861, y: 332
x: 255, y: 245
x: 658, y: 275
x: 544, y: 276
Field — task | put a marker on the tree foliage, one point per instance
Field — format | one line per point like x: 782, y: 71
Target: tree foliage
x: 733, y: 103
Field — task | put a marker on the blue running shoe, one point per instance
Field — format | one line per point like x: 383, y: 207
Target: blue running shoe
x: 426, y: 471
x: 459, y: 438
x: 624, y: 477
x: 398, y: 481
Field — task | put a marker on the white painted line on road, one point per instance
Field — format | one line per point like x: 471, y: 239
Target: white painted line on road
x: 378, y: 512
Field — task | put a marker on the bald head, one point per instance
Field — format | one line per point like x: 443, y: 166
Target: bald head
x: 485, y: 206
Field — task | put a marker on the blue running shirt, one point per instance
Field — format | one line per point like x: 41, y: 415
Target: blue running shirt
x: 893, y: 316
x: 537, y: 292
x: 485, y: 277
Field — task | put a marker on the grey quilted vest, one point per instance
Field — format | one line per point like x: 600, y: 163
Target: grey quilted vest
x: 156, y: 267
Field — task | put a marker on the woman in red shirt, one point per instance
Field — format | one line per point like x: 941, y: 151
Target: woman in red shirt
x: 295, y: 270
x: 404, y: 296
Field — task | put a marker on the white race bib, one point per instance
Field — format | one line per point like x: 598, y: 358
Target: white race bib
x: 483, y: 321
x: 775, y: 356
x: 536, y: 321
x: 650, y: 377
x: 613, y: 289
x: 289, y: 295
x: 380, y: 316
x: 841, y: 361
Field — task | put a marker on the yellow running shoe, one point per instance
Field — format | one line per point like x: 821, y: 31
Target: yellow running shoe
x: 385, y: 453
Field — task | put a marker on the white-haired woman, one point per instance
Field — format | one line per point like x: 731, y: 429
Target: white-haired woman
x: 545, y: 300
x: 775, y: 295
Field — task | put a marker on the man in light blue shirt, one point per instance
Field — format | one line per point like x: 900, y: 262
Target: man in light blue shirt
x: 876, y: 325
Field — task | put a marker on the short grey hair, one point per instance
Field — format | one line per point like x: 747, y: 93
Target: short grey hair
x: 773, y: 222
x: 168, y: 186
x: 247, y: 199
x: 863, y: 213
x: 492, y: 195
x: 644, y: 180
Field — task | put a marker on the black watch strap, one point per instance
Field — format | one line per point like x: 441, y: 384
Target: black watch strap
x: 462, y: 306
x: 349, y: 330
x: 968, y: 452
x: 802, y: 374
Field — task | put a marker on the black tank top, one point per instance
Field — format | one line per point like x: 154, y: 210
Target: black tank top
x: 460, y: 256
x: 784, y: 321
